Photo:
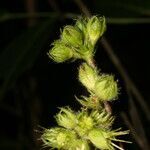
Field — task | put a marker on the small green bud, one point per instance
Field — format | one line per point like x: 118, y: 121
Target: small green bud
x: 72, y: 36
x: 106, y: 88
x: 66, y: 118
x: 95, y: 28
x: 88, y: 76
x: 60, y: 52
x: 58, y: 138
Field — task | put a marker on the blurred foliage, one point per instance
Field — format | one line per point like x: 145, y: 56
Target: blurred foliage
x: 21, y: 53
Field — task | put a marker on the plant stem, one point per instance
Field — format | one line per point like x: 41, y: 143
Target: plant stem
x: 91, y: 62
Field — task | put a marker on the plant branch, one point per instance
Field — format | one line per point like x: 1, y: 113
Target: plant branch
x: 134, y: 134
x: 136, y: 121
x: 115, y: 60
x: 107, y: 106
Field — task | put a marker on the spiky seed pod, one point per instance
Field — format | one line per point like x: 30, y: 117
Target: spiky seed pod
x: 72, y: 36
x: 102, y: 118
x: 103, y: 139
x: 106, y: 88
x: 66, y: 118
x: 58, y: 138
x: 88, y: 76
x: 85, y: 123
x: 60, y: 52
x: 95, y: 28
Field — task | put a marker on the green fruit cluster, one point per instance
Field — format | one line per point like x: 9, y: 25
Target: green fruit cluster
x: 78, y: 41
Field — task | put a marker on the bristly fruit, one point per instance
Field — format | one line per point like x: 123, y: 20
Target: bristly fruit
x: 85, y: 124
x: 60, y: 52
x: 106, y: 88
x: 72, y: 36
x: 59, y: 138
x: 66, y: 118
x: 88, y: 76
x: 96, y: 26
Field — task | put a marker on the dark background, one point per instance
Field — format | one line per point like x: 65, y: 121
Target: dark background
x: 32, y: 87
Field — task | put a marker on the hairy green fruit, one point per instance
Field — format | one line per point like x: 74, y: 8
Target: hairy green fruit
x: 106, y: 88
x: 60, y: 52
x: 72, y: 36
x: 66, y: 118
x: 58, y: 138
x: 95, y: 28
x: 88, y: 76
x: 85, y: 123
